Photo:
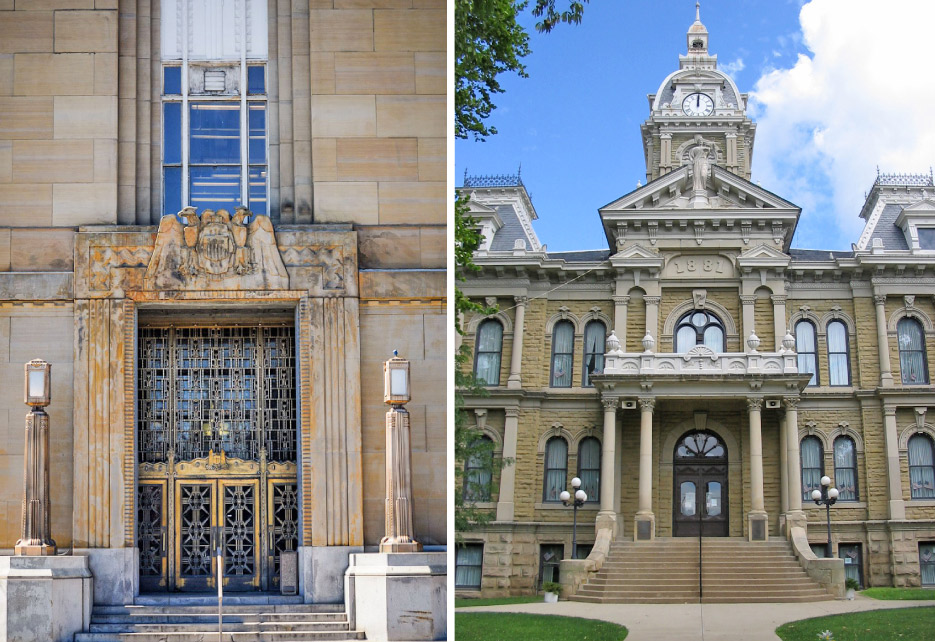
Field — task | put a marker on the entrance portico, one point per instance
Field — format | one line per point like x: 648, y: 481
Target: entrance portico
x: 699, y: 380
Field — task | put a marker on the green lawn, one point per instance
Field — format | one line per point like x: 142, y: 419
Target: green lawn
x: 529, y: 626
x: 888, y: 624
x: 890, y: 593
x: 493, y: 601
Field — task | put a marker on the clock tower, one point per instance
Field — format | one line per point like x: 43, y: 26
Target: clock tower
x: 697, y: 110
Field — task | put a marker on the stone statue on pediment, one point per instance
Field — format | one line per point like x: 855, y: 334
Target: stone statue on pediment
x: 700, y: 168
x: 216, y: 251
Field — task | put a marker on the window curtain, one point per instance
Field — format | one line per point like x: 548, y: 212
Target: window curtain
x: 805, y: 347
x: 478, y: 472
x: 921, y: 467
x: 563, y: 341
x: 686, y: 339
x: 594, y: 337
x: 927, y: 563
x: 850, y: 553
x: 911, y: 352
x: 714, y: 339
x: 811, y: 466
x: 837, y: 354
x: 845, y: 469
x: 489, y: 344
x: 589, y: 468
x: 556, y: 468
x: 469, y: 565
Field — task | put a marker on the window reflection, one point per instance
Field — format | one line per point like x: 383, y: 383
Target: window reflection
x: 713, y: 499
x: 687, y: 502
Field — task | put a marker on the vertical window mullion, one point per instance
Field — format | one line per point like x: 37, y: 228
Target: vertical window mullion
x: 185, y: 132
x: 244, y: 127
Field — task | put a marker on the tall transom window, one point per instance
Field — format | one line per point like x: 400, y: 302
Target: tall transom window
x: 214, y: 105
x: 699, y: 327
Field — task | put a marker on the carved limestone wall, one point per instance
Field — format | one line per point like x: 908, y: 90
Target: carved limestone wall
x: 210, y: 261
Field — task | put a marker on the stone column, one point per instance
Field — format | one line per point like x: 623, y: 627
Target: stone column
x: 645, y: 520
x: 757, y: 530
x: 516, y: 360
x: 398, y: 506
x: 795, y: 516
x: 508, y: 473
x: 621, y: 304
x: 607, y: 516
x: 748, y: 301
x: 886, y: 373
x: 783, y: 466
x: 897, y: 506
x: 652, y: 316
x: 779, y: 318
x: 665, y: 153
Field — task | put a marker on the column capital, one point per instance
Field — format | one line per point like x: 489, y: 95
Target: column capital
x: 521, y: 300
x: 790, y: 403
x: 879, y: 299
x: 754, y: 403
x: 778, y: 299
x: 889, y: 409
x: 647, y: 403
x: 652, y: 300
x: 512, y: 412
x: 610, y: 403
x: 748, y: 299
x: 621, y: 299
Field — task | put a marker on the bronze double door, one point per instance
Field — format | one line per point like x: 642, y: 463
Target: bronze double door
x: 183, y: 522
x: 700, y: 500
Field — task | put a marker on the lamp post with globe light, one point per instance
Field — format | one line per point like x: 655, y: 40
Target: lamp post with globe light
x: 580, y: 498
x: 826, y: 497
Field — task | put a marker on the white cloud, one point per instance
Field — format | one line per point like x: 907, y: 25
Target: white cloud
x: 860, y: 98
x: 733, y: 67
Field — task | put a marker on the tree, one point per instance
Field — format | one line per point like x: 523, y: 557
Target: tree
x: 488, y: 42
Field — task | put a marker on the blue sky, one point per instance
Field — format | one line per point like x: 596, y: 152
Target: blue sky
x: 837, y: 87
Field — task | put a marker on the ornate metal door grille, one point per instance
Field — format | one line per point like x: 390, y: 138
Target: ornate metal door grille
x: 218, y: 389
x: 216, y: 427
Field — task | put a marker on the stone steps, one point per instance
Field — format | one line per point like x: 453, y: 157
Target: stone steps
x: 733, y: 570
x: 173, y: 619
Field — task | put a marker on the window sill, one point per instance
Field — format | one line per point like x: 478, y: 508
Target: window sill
x: 827, y: 390
x: 921, y: 502
x: 839, y: 504
x: 481, y: 504
x: 559, y: 506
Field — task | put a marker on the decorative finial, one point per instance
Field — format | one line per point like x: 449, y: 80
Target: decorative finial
x: 698, y: 11
x: 395, y: 353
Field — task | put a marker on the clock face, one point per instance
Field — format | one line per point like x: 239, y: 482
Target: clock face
x: 697, y: 104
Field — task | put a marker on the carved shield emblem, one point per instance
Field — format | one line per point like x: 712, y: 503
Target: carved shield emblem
x: 215, y: 247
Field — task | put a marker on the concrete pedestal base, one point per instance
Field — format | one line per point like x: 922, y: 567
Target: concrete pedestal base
x: 116, y: 573
x: 44, y: 599
x: 757, y: 526
x: 321, y: 572
x: 398, y: 596
x: 644, y: 527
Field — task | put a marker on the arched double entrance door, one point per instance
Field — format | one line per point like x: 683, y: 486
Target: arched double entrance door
x: 700, y: 498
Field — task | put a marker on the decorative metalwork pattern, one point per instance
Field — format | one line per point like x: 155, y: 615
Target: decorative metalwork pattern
x: 153, y: 377
x: 151, y: 529
x: 284, y: 531
x: 239, y: 530
x: 217, y: 390
x: 494, y: 180
x: 279, y: 409
x: 912, y: 180
x: 195, y: 558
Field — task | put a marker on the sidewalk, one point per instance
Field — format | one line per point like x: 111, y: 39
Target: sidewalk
x: 701, y: 621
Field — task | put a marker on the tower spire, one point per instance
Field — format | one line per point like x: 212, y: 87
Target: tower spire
x: 697, y: 34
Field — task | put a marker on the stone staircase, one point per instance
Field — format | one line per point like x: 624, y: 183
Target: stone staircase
x: 733, y: 570
x: 195, y: 619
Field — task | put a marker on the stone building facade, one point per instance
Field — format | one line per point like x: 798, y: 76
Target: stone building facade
x: 701, y: 357
x: 218, y: 369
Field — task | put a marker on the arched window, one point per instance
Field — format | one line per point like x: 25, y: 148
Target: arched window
x: 589, y: 467
x: 563, y: 352
x: 487, y: 356
x: 595, y: 334
x: 912, y: 363
x: 839, y: 372
x: 813, y: 466
x: 807, y: 349
x: 845, y: 469
x: 922, y: 467
x: 699, y: 327
x: 556, y: 469
x: 478, y: 470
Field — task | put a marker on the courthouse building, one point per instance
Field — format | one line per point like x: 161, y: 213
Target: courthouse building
x: 218, y: 218
x: 702, y: 357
